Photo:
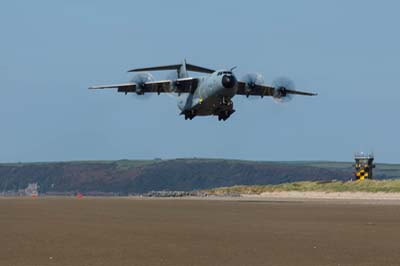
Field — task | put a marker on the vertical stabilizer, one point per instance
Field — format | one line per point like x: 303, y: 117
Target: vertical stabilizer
x: 182, y: 72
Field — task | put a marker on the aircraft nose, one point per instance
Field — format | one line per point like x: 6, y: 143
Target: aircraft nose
x: 228, y: 81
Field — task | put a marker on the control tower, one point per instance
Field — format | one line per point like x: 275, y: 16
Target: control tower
x: 364, y: 163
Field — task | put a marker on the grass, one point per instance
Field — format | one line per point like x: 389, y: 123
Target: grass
x: 388, y: 185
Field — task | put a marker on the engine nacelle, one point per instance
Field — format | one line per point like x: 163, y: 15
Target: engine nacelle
x: 140, y: 80
x: 140, y: 89
x: 282, y: 87
x: 280, y: 93
x: 252, y: 80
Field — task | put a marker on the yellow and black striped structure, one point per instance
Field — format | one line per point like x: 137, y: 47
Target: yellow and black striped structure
x: 363, y: 166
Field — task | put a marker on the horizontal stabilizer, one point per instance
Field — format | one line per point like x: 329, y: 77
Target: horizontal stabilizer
x: 189, y: 67
x: 200, y: 69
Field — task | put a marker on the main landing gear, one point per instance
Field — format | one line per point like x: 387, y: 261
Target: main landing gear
x: 225, y: 109
x: 190, y: 114
x: 225, y: 114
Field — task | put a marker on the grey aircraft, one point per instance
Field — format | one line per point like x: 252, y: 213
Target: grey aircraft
x: 205, y: 95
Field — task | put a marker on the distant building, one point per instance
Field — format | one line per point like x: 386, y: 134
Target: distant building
x: 32, y: 190
x: 364, y: 163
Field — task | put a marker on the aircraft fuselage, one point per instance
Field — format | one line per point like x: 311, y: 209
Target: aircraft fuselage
x: 212, y: 96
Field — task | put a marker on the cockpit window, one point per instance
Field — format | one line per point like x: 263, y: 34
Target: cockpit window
x: 224, y: 72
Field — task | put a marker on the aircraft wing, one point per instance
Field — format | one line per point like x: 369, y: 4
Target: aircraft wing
x: 183, y: 85
x: 266, y: 90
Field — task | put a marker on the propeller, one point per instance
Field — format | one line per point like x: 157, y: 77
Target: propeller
x: 140, y: 79
x: 282, y: 85
x: 251, y: 80
x: 172, y: 75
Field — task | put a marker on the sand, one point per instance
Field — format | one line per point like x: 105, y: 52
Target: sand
x: 134, y: 231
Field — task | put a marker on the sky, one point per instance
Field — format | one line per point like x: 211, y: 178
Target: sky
x: 52, y: 51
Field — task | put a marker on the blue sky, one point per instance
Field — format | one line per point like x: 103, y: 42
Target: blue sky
x: 51, y: 51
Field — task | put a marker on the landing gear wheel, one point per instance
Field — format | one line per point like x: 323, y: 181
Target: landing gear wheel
x: 190, y: 115
x: 223, y: 115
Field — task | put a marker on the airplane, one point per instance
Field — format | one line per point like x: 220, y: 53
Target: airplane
x: 209, y: 95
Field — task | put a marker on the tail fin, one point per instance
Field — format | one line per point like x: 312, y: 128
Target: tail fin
x: 181, y: 69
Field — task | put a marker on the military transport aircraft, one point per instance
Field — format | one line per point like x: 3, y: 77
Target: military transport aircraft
x: 205, y: 95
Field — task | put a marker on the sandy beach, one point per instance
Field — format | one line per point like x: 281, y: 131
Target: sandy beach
x: 241, y: 231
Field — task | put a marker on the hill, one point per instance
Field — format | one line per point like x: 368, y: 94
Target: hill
x: 127, y: 176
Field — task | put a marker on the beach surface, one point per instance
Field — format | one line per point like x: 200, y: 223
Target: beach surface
x: 262, y: 230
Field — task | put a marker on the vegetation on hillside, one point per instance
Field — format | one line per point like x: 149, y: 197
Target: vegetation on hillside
x: 388, y: 185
